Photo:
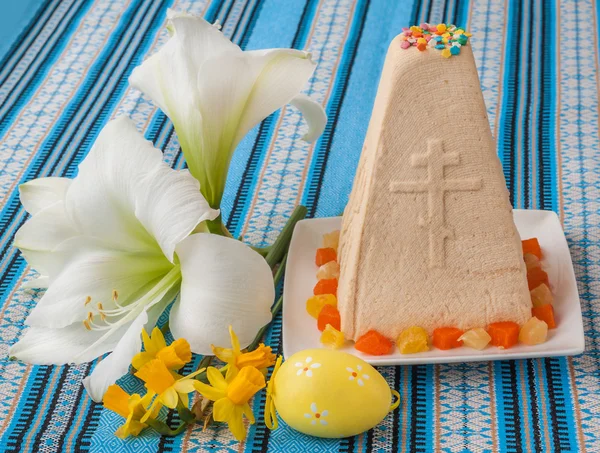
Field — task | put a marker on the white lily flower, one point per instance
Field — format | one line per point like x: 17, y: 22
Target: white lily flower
x: 214, y: 93
x: 105, y: 244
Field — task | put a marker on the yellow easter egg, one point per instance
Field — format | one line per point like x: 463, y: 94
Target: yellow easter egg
x: 327, y: 393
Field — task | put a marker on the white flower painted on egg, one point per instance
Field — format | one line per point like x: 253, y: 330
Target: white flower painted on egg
x: 306, y: 367
x: 316, y: 416
x: 355, y: 375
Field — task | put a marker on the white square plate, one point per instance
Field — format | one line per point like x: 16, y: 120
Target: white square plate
x: 300, y: 329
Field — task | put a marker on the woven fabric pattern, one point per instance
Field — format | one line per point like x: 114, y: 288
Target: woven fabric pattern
x: 66, y: 75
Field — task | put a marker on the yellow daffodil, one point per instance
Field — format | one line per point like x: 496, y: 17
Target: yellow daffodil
x: 174, y: 356
x: 262, y: 357
x: 270, y: 412
x: 132, y: 407
x: 168, y: 389
x: 231, y: 395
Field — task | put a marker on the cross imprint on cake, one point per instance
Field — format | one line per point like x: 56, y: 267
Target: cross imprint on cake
x: 436, y: 186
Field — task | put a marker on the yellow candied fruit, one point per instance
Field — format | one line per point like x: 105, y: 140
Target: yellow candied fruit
x: 446, y: 53
x: 315, y: 304
x: 332, y: 338
x: 332, y: 240
x: 541, y: 295
x: 533, y: 332
x: 476, y: 338
x: 328, y: 271
x: 412, y: 340
x: 441, y: 28
x: 416, y: 29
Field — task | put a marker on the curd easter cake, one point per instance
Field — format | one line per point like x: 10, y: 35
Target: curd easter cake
x: 428, y: 237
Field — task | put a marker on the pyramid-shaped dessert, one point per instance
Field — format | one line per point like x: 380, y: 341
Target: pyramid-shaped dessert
x: 428, y: 237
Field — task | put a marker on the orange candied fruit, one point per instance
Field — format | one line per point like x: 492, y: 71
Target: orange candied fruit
x: 532, y: 246
x: 445, y: 338
x: 536, y: 277
x: 545, y: 313
x: 325, y: 255
x: 329, y: 315
x: 373, y: 343
x: 504, y: 334
x: 326, y: 286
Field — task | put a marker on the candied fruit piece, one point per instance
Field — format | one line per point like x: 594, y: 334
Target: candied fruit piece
x: 531, y: 261
x: 533, y: 332
x: 535, y: 277
x: 315, y: 304
x: 332, y: 240
x: 326, y: 286
x: 373, y: 343
x: 476, y: 338
x: 532, y: 246
x: 504, y: 334
x: 545, y: 313
x: 329, y: 270
x: 329, y: 315
x: 325, y: 255
x: 445, y: 338
x: 332, y: 337
x: 541, y: 295
x: 412, y: 340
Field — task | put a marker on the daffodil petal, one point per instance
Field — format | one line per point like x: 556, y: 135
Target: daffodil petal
x: 216, y: 379
x: 248, y: 413
x: 236, y: 424
x: 140, y: 359
x: 41, y: 193
x: 170, y: 397
x: 116, y: 364
x: 235, y: 341
x: 223, y: 410
x: 224, y: 282
x: 313, y: 113
x: 156, y: 342
x: 185, y: 386
x: 156, y: 376
x: 208, y: 391
x: 279, y: 75
x: 223, y: 354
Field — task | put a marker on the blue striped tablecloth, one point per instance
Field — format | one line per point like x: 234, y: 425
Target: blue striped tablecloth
x: 66, y: 75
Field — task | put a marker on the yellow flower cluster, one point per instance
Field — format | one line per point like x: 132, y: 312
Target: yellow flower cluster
x: 157, y: 365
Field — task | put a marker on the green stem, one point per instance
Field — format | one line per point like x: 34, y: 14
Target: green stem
x: 163, y: 429
x: 282, y: 243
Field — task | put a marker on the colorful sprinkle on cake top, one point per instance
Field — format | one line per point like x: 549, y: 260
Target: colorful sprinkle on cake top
x: 445, y: 37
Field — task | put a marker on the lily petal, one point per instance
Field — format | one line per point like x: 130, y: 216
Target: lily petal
x: 46, y: 230
x: 313, y: 113
x: 117, y: 363
x: 224, y: 282
x: 41, y: 193
x: 169, y: 204
x: 95, y: 276
x: 45, y: 346
x: 280, y: 75
x: 101, y: 200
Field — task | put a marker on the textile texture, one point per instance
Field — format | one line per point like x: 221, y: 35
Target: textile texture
x: 66, y: 75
